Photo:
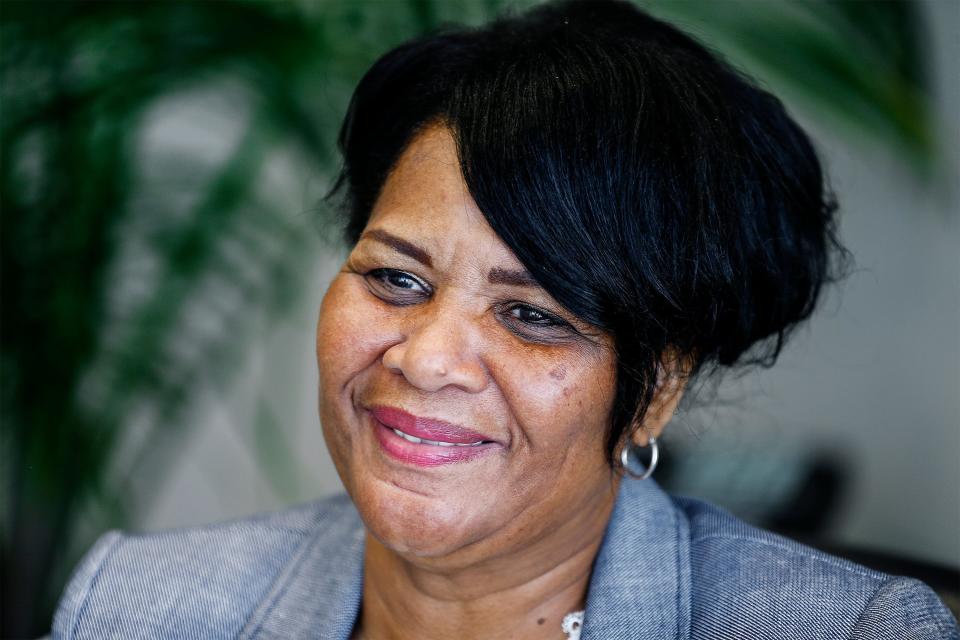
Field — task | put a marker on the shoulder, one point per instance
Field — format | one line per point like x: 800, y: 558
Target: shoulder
x: 198, y: 582
x: 749, y: 583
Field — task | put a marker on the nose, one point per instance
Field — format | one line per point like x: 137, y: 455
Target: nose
x: 438, y: 350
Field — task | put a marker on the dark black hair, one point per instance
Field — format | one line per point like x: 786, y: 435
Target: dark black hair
x: 652, y: 189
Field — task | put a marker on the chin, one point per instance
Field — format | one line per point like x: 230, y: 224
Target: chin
x: 414, y: 524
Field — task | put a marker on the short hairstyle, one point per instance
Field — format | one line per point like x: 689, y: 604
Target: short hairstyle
x: 651, y: 188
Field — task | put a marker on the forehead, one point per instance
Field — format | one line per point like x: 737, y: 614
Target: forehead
x: 425, y: 200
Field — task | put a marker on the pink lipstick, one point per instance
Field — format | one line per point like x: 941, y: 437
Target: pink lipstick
x: 426, y: 442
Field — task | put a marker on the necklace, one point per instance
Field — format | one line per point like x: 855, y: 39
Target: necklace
x: 572, y: 624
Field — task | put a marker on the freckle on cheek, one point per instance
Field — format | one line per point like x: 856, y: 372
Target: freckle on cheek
x: 559, y: 373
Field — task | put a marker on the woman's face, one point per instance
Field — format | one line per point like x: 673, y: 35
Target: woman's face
x: 434, y: 329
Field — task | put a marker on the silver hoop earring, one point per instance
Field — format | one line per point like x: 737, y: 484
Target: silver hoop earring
x: 654, y: 457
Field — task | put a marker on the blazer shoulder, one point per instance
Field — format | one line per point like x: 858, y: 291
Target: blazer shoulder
x: 193, y: 582
x: 756, y: 584
x: 905, y: 609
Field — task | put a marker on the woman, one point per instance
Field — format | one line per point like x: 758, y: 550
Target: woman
x: 557, y: 222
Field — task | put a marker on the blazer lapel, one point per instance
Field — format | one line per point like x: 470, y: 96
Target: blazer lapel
x: 640, y: 586
x: 318, y: 595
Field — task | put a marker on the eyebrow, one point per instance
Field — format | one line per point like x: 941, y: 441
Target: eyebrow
x: 400, y: 245
x: 517, y: 278
x: 497, y: 275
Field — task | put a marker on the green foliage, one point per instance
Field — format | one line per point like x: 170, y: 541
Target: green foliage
x: 131, y: 270
x: 857, y: 64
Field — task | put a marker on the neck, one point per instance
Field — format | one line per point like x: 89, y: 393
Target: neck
x: 523, y: 593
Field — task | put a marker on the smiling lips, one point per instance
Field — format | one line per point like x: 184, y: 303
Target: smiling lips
x: 426, y: 442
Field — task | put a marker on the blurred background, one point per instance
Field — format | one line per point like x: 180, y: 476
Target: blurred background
x: 165, y: 249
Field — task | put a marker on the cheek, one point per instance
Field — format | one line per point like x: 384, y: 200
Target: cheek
x: 559, y: 398
x: 350, y: 333
x: 351, y: 336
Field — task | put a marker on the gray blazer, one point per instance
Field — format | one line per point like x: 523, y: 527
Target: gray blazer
x: 668, y: 568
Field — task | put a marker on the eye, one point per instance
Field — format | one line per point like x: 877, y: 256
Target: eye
x: 533, y: 316
x: 396, y: 287
x: 535, y: 325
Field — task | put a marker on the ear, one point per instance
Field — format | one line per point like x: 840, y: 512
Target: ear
x: 671, y: 383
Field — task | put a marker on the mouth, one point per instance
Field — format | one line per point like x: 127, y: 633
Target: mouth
x: 426, y: 442
x: 436, y: 443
